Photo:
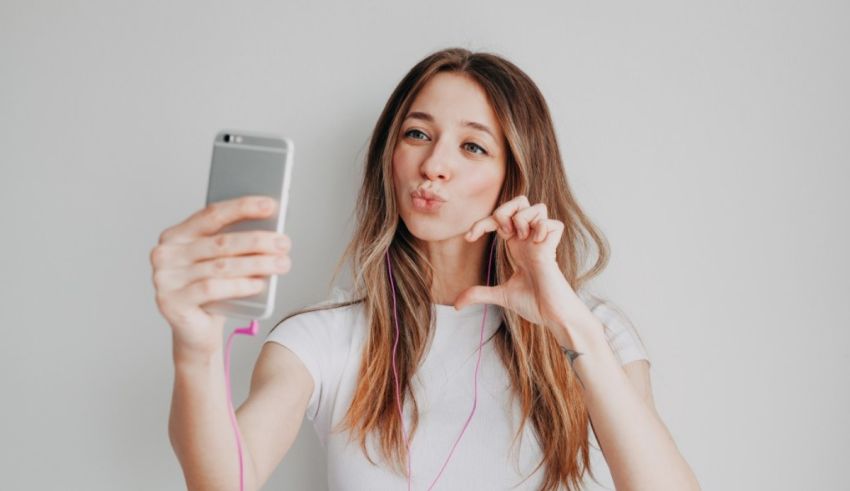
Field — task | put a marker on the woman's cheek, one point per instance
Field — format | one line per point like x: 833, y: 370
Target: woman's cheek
x: 399, y: 170
x: 483, y: 188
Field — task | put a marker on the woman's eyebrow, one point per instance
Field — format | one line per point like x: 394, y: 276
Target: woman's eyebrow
x: 472, y: 124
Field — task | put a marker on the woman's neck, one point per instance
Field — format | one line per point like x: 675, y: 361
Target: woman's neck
x: 457, y: 266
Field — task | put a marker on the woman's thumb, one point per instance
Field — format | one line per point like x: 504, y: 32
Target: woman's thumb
x: 479, y: 294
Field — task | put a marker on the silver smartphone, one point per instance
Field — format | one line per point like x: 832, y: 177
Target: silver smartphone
x: 258, y: 164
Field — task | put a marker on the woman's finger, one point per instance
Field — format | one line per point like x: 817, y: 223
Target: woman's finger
x: 503, y: 213
x: 548, y: 226
x: 483, y: 226
x: 216, y: 216
x: 523, y: 218
x: 541, y: 230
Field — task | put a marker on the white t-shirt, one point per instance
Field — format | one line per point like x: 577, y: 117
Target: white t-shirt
x: 330, y: 342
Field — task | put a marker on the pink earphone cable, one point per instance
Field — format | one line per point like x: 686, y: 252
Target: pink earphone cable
x: 398, y: 390
x: 249, y: 330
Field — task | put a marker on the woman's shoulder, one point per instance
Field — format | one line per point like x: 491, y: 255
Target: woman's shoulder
x: 600, y: 305
x: 620, y: 331
x: 333, y: 317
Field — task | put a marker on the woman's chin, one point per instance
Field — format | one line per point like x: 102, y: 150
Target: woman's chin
x: 429, y: 232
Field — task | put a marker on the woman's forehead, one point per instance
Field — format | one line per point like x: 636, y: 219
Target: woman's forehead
x: 456, y: 100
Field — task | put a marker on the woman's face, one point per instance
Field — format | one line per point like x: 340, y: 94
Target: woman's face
x: 451, y: 145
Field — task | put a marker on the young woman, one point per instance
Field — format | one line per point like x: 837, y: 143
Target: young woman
x: 470, y: 354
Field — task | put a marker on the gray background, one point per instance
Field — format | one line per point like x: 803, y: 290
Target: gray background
x: 709, y: 141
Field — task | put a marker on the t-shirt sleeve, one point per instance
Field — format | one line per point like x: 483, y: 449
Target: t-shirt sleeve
x: 621, y: 334
x: 305, y: 337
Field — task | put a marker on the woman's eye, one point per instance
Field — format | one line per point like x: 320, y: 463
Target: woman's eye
x: 409, y: 132
x: 475, y: 145
x: 475, y: 148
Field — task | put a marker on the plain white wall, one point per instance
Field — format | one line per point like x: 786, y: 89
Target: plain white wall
x: 708, y: 140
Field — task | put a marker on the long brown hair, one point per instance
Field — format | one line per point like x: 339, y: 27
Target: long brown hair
x: 548, y: 391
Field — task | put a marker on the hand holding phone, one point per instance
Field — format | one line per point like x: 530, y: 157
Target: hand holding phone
x: 224, y: 259
x: 194, y: 263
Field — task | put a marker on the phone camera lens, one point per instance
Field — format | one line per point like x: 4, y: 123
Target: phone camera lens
x: 227, y: 138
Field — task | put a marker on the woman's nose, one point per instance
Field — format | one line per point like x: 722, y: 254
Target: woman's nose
x: 437, y: 165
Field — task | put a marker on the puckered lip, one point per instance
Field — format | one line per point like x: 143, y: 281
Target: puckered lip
x: 424, y: 194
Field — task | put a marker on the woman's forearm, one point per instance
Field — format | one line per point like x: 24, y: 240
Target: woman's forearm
x: 199, y: 425
x: 636, y: 444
